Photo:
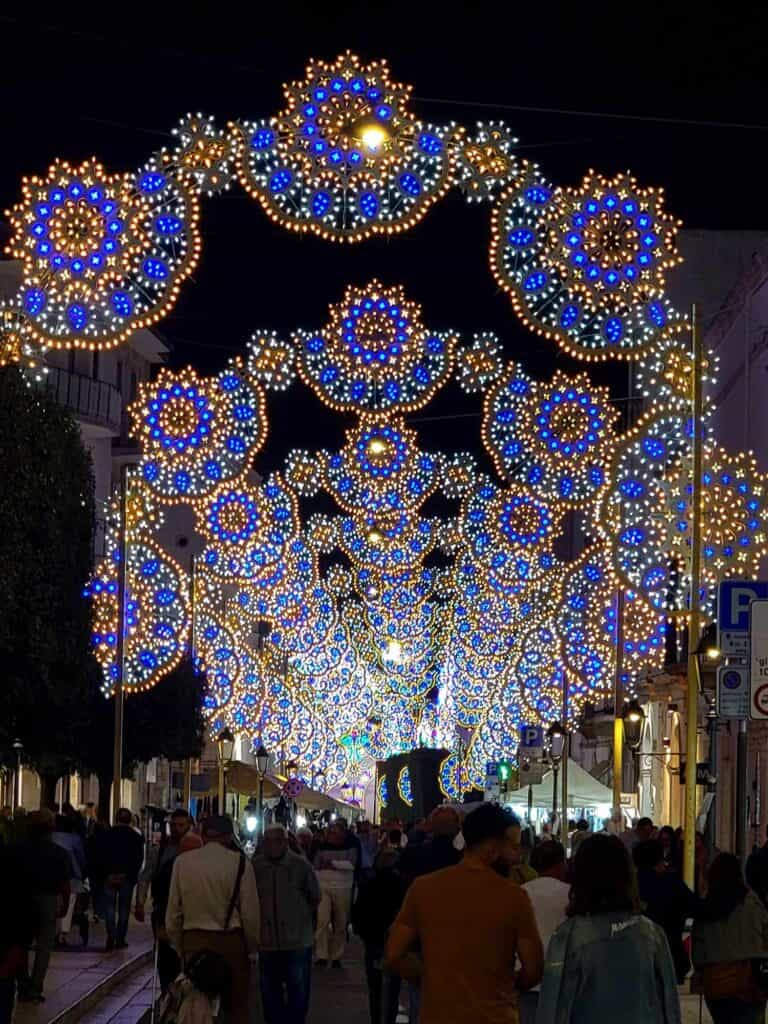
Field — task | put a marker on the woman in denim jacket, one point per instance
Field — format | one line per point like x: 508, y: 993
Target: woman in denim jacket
x: 607, y: 961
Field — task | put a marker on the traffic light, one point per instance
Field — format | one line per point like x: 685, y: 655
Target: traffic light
x: 505, y: 773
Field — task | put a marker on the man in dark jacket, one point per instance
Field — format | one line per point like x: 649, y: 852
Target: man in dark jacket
x: 289, y: 896
x: 379, y: 900
x: 48, y: 870
x: 123, y: 857
x: 437, y: 851
x: 665, y: 899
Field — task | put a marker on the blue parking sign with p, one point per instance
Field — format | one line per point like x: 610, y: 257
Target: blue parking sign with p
x: 733, y: 600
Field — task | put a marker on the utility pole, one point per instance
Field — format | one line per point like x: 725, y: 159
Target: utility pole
x: 618, y: 695
x: 119, y: 690
x: 694, y: 618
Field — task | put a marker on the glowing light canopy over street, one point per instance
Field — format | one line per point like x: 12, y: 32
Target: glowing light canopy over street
x: 343, y: 637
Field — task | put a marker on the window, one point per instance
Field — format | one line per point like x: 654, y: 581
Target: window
x: 95, y: 364
x: 134, y: 384
x: 71, y: 361
x: 119, y: 376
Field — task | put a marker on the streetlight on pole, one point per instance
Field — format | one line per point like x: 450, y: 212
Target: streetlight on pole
x: 18, y: 746
x: 556, y: 744
x: 225, y: 746
x: 262, y: 762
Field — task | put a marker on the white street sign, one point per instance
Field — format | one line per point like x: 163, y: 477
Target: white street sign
x: 758, y: 659
x: 733, y: 692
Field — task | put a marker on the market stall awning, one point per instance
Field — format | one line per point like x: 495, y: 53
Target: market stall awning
x: 583, y: 790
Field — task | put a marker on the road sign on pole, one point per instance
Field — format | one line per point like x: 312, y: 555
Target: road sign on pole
x: 531, y: 742
x: 733, y: 601
x: 733, y: 693
x: 758, y: 659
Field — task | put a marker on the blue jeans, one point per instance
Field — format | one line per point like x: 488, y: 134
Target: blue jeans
x: 117, y: 910
x: 285, y: 976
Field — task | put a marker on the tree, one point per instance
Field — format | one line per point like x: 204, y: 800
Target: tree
x: 166, y: 721
x: 46, y: 550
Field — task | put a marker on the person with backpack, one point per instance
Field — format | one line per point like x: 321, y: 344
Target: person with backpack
x: 213, y: 907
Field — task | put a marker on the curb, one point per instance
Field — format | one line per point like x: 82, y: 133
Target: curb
x: 73, y: 1013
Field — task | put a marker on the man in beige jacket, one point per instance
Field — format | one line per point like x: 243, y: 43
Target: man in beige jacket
x: 202, y: 888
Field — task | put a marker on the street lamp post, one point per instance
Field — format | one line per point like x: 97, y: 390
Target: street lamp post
x: 633, y: 730
x: 262, y: 762
x: 18, y: 746
x: 225, y: 746
x: 556, y: 744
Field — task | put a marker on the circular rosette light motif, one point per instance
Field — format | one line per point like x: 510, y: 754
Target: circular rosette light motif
x: 271, y: 360
x: 346, y: 159
x: 665, y: 374
x: 204, y: 154
x: 539, y: 677
x: 581, y: 268
x: 375, y: 353
x: 156, y: 614
x: 380, y: 468
x: 102, y: 255
x: 388, y: 544
x: 480, y: 364
x: 486, y: 163
x: 511, y: 533
x: 639, y: 515
x: 197, y: 433
x: 554, y: 437
x: 249, y: 530
x: 588, y: 586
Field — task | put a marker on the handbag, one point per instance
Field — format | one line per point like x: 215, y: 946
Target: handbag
x: 733, y: 979
x: 208, y: 971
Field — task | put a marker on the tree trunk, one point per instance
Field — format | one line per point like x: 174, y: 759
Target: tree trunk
x: 105, y: 792
x: 48, y: 791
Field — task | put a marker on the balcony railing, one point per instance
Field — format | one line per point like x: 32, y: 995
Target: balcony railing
x: 93, y: 401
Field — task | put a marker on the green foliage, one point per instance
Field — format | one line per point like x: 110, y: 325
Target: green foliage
x: 166, y: 721
x: 46, y: 544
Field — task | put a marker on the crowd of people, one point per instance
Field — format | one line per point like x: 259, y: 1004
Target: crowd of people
x: 462, y: 921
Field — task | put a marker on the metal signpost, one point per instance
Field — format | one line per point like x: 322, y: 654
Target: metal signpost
x: 733, y: 692
x: 758, y: 659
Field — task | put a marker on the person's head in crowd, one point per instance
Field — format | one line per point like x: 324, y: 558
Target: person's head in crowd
x: 64, y: 823
x: 726, y: 889
x: 489, y: 836
x: 548, y: 860
x: 582, y: 825
x: 395, y: 838
x: 649, y: 855
x: 444, y: 823
x: 181, y: 823
x: 667, y: 837
x: 336, y: 833
x: 275, y: 842
x: 218, y: 828
x: 305, y: 839
x: 39, y: 824
x: 124, y: 816
x: 602, y: 880
x: 644, y: 829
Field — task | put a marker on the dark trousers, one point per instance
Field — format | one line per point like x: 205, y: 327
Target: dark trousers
x: 168, y: 963
x: 732, y: 1011
x: 7, y: 999
x: 46, y: 904
x: 285, y: 977
x: 117, y: 910
x: 383, y: 988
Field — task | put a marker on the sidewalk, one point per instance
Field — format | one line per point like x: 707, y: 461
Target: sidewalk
x: 74, y: 973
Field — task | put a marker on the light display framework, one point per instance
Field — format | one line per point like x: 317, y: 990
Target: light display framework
x: 332, y: 624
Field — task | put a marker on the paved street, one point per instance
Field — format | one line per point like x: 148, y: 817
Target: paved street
x: 94, y: 987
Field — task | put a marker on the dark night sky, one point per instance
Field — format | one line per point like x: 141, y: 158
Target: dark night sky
x: 74, y: 83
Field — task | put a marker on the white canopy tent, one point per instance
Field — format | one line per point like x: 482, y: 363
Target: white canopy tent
x: 583, y: 791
